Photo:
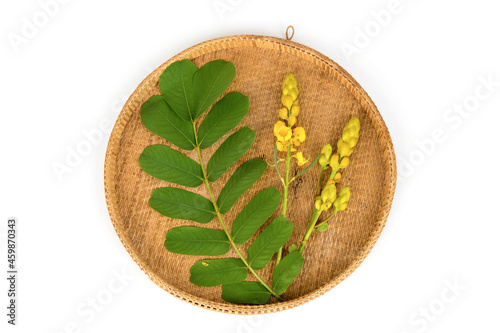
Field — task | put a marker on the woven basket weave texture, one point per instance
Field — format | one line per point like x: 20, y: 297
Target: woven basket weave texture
x: 329, y: 96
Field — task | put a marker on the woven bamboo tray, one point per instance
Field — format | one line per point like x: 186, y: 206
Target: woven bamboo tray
x: 329, y: 96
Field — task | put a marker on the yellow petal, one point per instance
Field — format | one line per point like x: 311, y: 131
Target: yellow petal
x: 337, y: 177
x: 280, y: 146
x: 292, y: 120
x: 300, y: 159
x: 284, y: 133
x: 279, y: 124
x: 317, y: 204
x: 283, y: 112
x: 325, y: 155
x: 334, y: 162
x: 295, y: 110
x: 354, y: 121
x: 323, y: 161
x: 326, y: 206
x: 352, y: 142
x: 299, y: 133
x: 287, y: 101
x: 344, y: 163
x: 344, y: 149
x: 345, y: 193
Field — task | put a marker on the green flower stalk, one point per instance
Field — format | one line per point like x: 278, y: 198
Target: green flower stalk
x: 288, y: 139
x: 327, y: 196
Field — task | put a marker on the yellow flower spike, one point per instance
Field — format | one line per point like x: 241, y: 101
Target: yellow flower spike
x: 295, y: 109
x: 287, y: 101
x: 325, y: 155
x: 350, y: 137
x: 283, y: 112
x: 344, y: 163
x: 334, y: 162
x: 337, y: 177
x: 300, y: 159
x: 292, y: 120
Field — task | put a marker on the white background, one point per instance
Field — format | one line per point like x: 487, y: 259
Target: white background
x: 72, y: 74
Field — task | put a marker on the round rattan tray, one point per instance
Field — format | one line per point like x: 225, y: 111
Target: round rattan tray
x: 329, y: 96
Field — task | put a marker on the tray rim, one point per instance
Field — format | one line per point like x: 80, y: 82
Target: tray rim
x: 283, y: 45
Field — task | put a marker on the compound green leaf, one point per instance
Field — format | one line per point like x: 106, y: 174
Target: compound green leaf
x: 181, y: 204
x: 197, y: 241
x: 170, y: 165
x: 159, y: 118
x: 274, y: 236
x: 231, y: 150
x: 246, y: 292
x: 224, y: 116
x: 214, y: 272
x: 241, y: 180
x: 176, y: 87
x: 209, y: 82
x: 255, y: 213
x: 286, y: 271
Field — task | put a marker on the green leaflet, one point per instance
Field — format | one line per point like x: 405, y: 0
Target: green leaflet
x: 286, y: 271
x: 186, y: 93
x: 246, y: 292
x: 170, y: 165
x: 241, y: 180
x: 231, y: 150
x: 159, y: 118
x: 197, y: 241
x: 224, y: 116
x: 209, y: 82
x: 268, y: 242
x: 176, y: 87
x: 190, y: 91
x: 255, y: 213
x: 214, y: 272
x: 181, y: 204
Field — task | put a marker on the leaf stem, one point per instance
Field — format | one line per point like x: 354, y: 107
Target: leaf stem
x: 219, y: 216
